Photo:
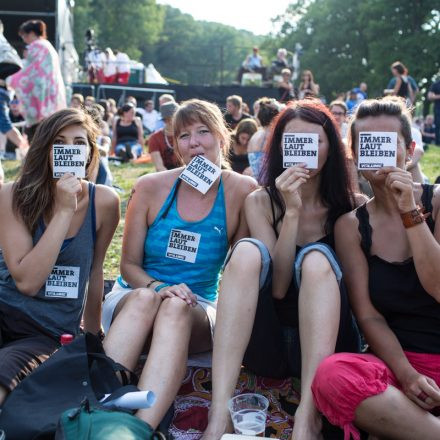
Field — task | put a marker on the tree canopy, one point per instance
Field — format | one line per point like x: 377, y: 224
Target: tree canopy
x: 348, y: 42
x: 343, y: 42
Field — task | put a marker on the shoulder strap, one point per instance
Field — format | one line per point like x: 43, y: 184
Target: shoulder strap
x: 170, y: 198
x: 92, y: 208
x: 274, y: 222
x: 426, y: 199
x: 364, y: 228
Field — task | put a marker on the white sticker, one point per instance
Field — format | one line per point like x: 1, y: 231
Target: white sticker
x: 63, y: 282
x: 200, y: 173
x: 377, y: 149
x: 300, y: 148
x: 183, y: 245
x: 69, y: 159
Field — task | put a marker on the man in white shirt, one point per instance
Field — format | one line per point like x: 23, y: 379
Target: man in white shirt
x: 149, y: 115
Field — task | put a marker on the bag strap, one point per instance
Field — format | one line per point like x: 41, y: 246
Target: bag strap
x: 116, y: 367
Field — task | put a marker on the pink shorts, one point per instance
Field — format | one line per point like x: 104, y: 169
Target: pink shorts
x: 344, y: 380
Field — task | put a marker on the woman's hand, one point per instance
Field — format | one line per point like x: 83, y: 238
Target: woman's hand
x: 422, y: 390
x: 289, y: 184
x: 180, y: 290
x: 401, y: 185
x: 67, y: 189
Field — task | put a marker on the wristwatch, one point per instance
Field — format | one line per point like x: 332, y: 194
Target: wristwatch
x: 413, y: 218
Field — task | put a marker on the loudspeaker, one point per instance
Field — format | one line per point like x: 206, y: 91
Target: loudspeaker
x: 14, y: 13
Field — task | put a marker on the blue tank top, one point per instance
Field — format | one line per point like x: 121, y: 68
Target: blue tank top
x: 177, y: 251
x: 59, y: 304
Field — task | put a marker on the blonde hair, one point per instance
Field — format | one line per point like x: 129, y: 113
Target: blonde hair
x: 196, y: 110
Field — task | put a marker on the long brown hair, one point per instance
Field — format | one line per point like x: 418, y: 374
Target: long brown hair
x: 34, y: 190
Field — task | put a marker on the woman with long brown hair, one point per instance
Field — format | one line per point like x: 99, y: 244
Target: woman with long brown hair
x: 54, y: 234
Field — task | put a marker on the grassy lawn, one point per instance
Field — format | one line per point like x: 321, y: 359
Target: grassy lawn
x: 126, y: 175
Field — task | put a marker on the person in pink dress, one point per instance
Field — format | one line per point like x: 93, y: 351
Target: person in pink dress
x: 39, y: 85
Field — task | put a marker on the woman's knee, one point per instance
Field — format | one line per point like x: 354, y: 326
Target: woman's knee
x: 317, y: 266
x: 142, y: 301
x: 175, y: 309
x: 245, y: 255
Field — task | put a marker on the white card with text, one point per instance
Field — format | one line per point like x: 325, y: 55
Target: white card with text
x: 69, y: 159
x: 300, y: 148
x: 183, y: 245
x: 377, y: 149
x: 200, y: 173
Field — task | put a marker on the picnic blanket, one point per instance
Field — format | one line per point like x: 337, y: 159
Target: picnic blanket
x: 192, y: 404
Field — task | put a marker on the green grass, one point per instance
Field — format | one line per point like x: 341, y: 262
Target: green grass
x: 126, y: 175
x: 431, y: 163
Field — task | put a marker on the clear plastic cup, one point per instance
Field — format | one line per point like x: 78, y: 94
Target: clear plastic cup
x: 248, y: 414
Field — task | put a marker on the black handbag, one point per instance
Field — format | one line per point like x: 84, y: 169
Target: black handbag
x: 75, y: 372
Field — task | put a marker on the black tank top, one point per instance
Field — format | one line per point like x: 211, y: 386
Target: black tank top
x: 396, y: 292
x: 287, y: 308
x: 403, y: 89
x: 125, y: 133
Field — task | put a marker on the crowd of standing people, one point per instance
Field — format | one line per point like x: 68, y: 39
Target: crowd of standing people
x: 326, y: 272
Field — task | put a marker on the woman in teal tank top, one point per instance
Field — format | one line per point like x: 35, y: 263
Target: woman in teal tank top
x: 54, y: 234
x: 175, y: 242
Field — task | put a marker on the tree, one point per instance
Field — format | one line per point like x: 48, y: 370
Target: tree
x: 345, y: 43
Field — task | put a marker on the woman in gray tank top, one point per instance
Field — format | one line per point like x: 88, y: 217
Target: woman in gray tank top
x: 54, y: 234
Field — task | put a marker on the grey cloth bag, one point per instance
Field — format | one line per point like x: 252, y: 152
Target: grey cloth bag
x: 10, y: 62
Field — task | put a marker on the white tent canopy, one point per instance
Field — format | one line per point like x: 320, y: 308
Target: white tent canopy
x: 153, y: 76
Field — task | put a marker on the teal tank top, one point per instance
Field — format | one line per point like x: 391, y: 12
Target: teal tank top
x: 178, y: 251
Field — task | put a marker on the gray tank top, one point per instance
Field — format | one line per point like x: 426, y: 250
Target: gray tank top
x: 59, y: 304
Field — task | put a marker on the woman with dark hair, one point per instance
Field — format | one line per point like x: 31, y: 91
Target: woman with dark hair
x: 390, y: 251
x: 402, y: 85
x: 286, y: 322
x: 268, y: 108
x: 128, y: 134
x: 238, y: 156
x: 54, y: 234
x: 39, y: 85
x: 175, y: 243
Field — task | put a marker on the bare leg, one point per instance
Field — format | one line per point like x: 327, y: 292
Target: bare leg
x: 3, y: 394
x: 134, y: 318
x: 235, y: 316
x: 392, y: 415
x: 175, y: 325
x: 319, y: 313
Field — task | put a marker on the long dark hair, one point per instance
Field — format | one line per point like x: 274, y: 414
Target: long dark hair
x: 335, y: 189
x: 33, y: 191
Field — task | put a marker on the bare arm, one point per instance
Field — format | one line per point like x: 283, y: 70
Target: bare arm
x: 107, y: 215
x: 135, y: 231
x: 157, y: 161
x: 30, y: 265
x: 424, y: 245
x: 259, y: 217
x: 140, y: 131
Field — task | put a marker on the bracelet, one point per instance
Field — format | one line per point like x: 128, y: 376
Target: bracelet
x: 161, y: 286
x: 413, y: 217
x: 151, y: 282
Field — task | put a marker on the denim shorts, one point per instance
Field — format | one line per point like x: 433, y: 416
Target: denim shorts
x: 136, y: 147
x: 266, y: 259
x: 274, y: 348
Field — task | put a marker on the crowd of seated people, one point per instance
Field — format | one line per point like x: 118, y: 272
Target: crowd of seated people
x: 292, y: 266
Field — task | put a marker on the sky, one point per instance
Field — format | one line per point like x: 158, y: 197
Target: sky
x: 251, y: 15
